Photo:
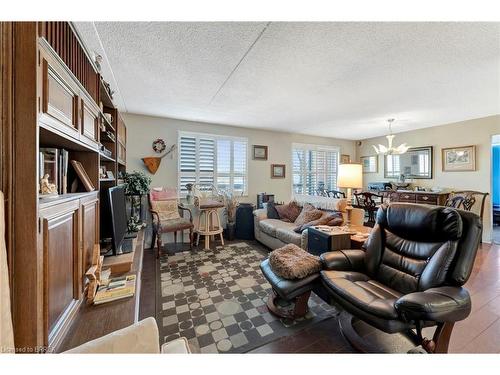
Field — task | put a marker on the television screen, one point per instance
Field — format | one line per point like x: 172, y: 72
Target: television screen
x: 118, y: 216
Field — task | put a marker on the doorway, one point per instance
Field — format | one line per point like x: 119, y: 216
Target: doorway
x: 495, y: 196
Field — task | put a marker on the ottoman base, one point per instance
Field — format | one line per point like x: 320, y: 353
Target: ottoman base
x: 300, y: 306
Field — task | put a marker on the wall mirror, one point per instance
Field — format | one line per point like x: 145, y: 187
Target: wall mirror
x: 416, y: 163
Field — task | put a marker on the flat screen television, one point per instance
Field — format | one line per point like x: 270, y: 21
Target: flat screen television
x: 119, y: 220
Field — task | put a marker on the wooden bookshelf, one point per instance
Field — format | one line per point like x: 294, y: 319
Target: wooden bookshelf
x: 54, y: 101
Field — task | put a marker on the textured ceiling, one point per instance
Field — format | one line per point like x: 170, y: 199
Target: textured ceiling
x: 330, y: 79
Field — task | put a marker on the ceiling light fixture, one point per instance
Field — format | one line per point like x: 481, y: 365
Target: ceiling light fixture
x: 381, y: 149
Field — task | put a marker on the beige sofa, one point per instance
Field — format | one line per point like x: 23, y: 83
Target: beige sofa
x: 275, y: 233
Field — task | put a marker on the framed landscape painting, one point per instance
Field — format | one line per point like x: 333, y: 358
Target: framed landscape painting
x: 459, y: 159
x: 369, y: 163
x: 259, y: 152
x: 278, y: 171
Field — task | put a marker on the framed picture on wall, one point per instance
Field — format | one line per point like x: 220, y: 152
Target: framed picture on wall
x: 277, y: 170
x: 459, y: 159
x: 259, y: 152
x: 369, y: 163
x: 345, y: 159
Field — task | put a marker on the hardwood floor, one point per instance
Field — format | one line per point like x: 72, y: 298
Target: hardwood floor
x: 479, y: 333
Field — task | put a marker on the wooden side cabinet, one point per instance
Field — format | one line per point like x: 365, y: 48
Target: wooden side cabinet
x: 61, y: 268
x: 89, y: 209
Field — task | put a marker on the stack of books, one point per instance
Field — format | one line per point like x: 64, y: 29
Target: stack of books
x: 115, y: 289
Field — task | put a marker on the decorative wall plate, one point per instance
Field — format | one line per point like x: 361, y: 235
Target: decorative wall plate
x: 159, y: 145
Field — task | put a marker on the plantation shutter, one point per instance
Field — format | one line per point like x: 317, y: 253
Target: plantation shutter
x: 212, y: 159
x: 314, y: 167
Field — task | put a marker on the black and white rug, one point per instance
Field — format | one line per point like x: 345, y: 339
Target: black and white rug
x: 217, y: 300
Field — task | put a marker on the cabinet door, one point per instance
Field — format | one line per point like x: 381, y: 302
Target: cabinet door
x: 59, y: 97
x: 90, y: 123
x: 89, y: 232
x: 61, y: 259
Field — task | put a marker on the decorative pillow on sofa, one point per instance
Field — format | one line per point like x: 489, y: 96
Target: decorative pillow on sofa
x: 330, y: 218
x: 272, y: 213
x: 289, y: 212
x: 306, y: 208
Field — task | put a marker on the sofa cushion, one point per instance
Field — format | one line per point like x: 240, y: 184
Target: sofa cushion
x: 272, y: 213
x: 269, y: 226
x: 363, y: 292
x: 300, y: 220
x: 287, y: 235
x: 289, y: 212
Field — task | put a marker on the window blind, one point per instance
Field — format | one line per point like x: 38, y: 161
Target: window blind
x: 314, y: 167
x: 213, y: 159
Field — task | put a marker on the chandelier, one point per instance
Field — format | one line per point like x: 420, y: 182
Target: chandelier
x: 390, y: 150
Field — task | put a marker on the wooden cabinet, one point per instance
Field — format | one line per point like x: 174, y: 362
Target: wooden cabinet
x: 89, y: 209
x: 65, y: 107
x: 61, y: 267
x: 422, y: 197
x: 69, y: 231
x: 89, y: 123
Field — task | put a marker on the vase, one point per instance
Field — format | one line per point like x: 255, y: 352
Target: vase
x: 230, y: 229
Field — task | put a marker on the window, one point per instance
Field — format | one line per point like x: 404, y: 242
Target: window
x: 212, y: 159
x: 314, y: 167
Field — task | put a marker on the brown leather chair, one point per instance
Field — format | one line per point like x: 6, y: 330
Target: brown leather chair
x: 411, y: 273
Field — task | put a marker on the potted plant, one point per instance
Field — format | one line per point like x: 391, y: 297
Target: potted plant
x: 231, y: 203
x: 136, y: 185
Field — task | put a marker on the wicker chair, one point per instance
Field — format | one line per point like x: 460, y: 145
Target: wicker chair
x: 208, y: 200
x: 168, y: 216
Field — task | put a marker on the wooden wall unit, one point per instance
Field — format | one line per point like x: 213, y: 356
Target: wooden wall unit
x: 50, y: 94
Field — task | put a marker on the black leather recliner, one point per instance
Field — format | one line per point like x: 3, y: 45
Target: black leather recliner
x: 411, y: 273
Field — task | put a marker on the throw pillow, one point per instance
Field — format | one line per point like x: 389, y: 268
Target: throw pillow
x: 335, y: 219
x: 272, y: 213
x: 292, y: 263
x: 300, y: 219
x: 330, y: 218
x: 289, y: 212
x: 167, y: 209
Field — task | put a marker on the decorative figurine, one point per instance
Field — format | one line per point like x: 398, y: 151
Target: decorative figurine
x: 46, y: 187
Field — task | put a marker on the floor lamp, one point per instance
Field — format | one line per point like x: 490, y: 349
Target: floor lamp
x: 350, y: 177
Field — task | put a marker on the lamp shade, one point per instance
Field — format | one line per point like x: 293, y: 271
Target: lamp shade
x: 350, y: 176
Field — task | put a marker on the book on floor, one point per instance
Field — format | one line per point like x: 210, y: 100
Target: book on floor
x: 115, y: 288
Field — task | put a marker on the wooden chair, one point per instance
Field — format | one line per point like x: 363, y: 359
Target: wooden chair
x: 468, y: 200
x: 168, y: 217
x: 370, y: 202
x: 335, y: 194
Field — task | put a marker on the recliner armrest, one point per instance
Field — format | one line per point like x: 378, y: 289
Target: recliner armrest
x: 444, y: 304
x: 343, y: 260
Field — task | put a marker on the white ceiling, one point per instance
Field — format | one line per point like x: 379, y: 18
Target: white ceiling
x: 330, y: 79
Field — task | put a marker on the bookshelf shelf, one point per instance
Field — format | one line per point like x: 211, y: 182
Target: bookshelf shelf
x: 107, y: 180
x: 106, y: 158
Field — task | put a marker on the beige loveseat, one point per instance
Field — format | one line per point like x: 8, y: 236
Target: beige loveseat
x: 275, y: 233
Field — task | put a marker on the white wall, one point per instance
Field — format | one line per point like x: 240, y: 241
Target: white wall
x: 476, y: 132
x: 143, y: 130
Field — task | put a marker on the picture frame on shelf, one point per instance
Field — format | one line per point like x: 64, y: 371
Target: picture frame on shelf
x: 278, y: 170
x: 109, y: 174
x: 345, y: 159
x: 369, y: 163
x: 260, y: 152
x: 459, y: 159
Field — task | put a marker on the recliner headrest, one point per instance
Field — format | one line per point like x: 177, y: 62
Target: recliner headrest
x: 421, y: 223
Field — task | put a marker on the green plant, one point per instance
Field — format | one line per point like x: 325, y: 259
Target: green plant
x: 136, y: 183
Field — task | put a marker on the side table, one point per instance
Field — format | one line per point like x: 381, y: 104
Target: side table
x: 319, y: 241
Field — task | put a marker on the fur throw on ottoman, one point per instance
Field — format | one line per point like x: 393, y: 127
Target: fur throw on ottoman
x: 291, y: 262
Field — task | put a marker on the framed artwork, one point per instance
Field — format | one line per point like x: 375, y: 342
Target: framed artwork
x: 82, y: 175
x: 369, y: 163
x: 277, y: 170
x: 459, y: 159
x: 345, y: 159
x: 109, y: 174
x: 259, y: 152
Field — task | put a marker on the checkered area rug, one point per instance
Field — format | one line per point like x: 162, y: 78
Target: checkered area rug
x: 217, y: 300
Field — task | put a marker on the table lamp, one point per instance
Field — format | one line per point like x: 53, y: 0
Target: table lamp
x: 350, y: 177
